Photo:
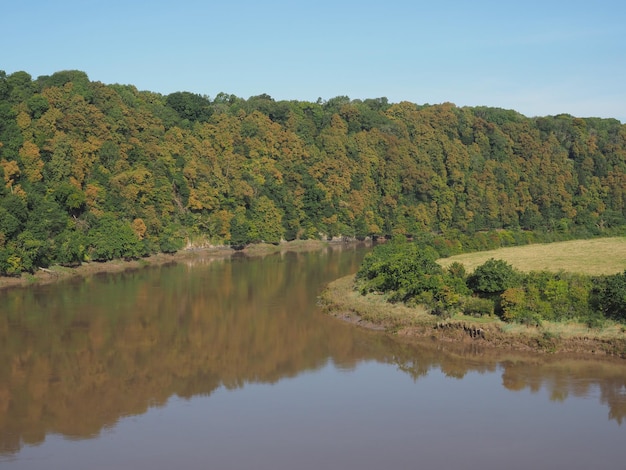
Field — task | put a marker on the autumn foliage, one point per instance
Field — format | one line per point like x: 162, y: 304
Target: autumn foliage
x: 90, y: 171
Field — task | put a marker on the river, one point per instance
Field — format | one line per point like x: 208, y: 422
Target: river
x: 229, y: 364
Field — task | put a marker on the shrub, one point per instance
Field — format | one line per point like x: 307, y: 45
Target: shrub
x: 523, y: 306
x: 401, y: 268
x: 478, y: 307
x: 408, y: 272
x: 610, y: 296
x: 457, y: 270
x: 494, y: 276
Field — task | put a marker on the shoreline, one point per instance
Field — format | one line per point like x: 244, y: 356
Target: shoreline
x: 56, y: 273
x: 372, y: 312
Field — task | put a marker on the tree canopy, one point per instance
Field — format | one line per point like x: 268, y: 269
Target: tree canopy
x: 184, y: 168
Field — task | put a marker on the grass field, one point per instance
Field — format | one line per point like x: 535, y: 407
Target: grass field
x: 593, y: 257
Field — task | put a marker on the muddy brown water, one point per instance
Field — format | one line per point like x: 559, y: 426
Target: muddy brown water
x: 229, y: 364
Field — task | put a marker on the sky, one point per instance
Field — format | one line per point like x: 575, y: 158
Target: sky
x: 536, y: 57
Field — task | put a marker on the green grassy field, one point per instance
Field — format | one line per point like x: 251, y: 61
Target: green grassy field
x: 593, y: 257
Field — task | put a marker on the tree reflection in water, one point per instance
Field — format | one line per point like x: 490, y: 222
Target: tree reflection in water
x: 78, y: 356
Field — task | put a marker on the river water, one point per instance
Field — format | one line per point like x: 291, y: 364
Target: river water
x: 229, y: 364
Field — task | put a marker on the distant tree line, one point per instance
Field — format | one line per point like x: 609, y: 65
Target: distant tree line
x: 95, y: 172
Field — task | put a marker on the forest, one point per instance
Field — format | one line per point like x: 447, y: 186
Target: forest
x: 94, y: 172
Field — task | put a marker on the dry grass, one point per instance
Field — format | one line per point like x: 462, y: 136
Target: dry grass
x: 567, y: 330
x: 592, y: 257
x: 373, y: 311
x: 343, y: 301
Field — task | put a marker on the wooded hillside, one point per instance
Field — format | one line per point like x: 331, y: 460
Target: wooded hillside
x: 95, y: 172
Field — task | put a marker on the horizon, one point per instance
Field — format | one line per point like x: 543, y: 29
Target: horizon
x: 324, y: 100
x: 538, y: 59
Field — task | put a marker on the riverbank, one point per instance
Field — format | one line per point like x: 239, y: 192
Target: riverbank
x: 60, y: 273
x: 372, y: 311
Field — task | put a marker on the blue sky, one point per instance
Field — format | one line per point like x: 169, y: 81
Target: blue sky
x: 537, y: 57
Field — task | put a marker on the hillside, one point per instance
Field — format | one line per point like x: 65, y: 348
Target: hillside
x: 96, y: 172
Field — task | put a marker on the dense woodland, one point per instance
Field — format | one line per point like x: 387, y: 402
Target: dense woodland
x: 95, y: 172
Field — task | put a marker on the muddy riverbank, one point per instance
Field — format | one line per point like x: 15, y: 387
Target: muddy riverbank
x: 340, y: 300
x: 59, y: 273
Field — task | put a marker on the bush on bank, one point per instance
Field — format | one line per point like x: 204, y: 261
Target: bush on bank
x: 408, y: 272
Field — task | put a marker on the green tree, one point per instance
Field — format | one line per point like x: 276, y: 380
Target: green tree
x: 71, y: 198
x: 37, y: 106
x: 190, y: 106
x: 32, y: 251
x: 21, y: 86
x: 171, y: 239
x: 9, y: 224
x: 46, y: 217
x: 71, y: 248
x: 610, y: 295
x: 239, y: 229
x: 494, y: 276
x: 265, y: 221
x: 10, y: 262
x: 402, y: 269
x: 113, y: 238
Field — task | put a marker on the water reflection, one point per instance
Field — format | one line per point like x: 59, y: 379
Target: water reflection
x: 76, y: 357
x: 561, y: 376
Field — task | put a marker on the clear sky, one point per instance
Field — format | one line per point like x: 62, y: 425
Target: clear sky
x: 537, y: 57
